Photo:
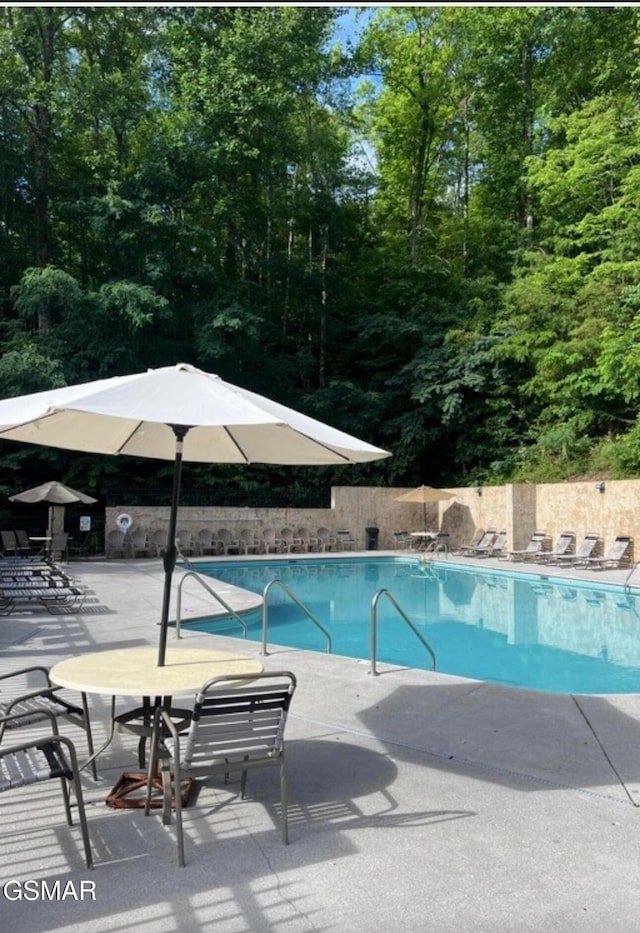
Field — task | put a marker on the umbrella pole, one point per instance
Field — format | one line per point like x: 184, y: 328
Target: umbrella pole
x: 171, y: 552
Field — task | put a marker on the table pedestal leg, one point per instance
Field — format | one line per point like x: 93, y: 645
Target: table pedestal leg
x: 130, y: 791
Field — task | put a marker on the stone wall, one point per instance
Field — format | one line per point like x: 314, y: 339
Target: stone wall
x: 519, y: 508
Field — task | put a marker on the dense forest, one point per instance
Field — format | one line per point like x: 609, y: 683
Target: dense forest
x: 428, y: 237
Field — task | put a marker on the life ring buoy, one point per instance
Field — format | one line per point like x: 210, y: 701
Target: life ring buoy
x: 124, y: 523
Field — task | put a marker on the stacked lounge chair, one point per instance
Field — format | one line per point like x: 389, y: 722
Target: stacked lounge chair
x: 564, y: 547
x: 493, y: 548
x: 25, y: 580
x: 619, y: 555
x: 484, y: 541
x: 533, y: 548
x: 587, y: 549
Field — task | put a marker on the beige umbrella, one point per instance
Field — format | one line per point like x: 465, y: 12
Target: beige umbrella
x: 425, y: 494
x: 58, y: 495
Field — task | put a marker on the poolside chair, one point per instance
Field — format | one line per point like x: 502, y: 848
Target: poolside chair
x: 564, y: 546
x: 403, y: 540
x: 228, y: 542
x: 205, y: 542
x: 46, y: 759
x: 587, y: 549
x: 268, y: 541
x: 326, y: 541
x: 139, y: 543
x: 250, y: 543
x: 301, y: 540
x: 475, y: 540
x: 486, y: 540
x: 117, y: 543
x: 284, y: 541
x: 157, y: 542
x: 345, y: 540
x: 185, y: 542
x: 535, y: 545
x: 494, y: 548
x: 59, y: 546
x: 237, y: 724
x: 29, y: 692
x: 26, y: 547
x: 619, y: 555
x: 439, y: 543
x: 9, y: 542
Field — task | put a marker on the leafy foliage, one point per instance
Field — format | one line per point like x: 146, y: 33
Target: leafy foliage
x: 427, y: 238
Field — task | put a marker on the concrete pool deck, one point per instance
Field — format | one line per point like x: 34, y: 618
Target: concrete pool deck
x: 418, y: 801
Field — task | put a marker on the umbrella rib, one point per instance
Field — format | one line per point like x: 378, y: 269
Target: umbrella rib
x: 128, y: 438
x: 236, y: 444
x: 315, y: 441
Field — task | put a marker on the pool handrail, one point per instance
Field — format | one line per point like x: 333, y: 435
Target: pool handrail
x: 374, y: 629
x: 627, y: 586
x: 307, y: 612
x: 212, y: 592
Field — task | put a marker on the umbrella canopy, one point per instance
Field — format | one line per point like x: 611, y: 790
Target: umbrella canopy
x: 175, y: 413
x: 53, y: 492
x: 57, y: 495
x: 425, y: 494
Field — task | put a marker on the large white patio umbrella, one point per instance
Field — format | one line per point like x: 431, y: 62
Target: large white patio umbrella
x: 177, y: 413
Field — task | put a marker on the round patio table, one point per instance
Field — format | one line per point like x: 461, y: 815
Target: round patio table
x: 135, y: 672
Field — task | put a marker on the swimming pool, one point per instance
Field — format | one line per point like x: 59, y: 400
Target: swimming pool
x: 521, y: 630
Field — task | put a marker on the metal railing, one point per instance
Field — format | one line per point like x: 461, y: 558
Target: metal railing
x: 307, y: 612
x: 374, y: 629
x: 627, y: 587
x: 212, y: 592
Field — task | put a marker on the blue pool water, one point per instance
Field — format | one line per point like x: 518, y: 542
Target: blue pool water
x: 508, y: 628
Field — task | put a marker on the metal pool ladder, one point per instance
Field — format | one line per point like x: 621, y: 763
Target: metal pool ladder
x: 212, y: 592
x: 374, y: 629
x: 307, y: 612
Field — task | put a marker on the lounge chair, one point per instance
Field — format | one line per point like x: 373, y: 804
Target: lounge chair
x: 487, y: 539
x: 493, y: 549
x: 533, y: 548
x: 475, y: 540
x: 564, y: 546
x: 619, y: 555
x: 586, y: 550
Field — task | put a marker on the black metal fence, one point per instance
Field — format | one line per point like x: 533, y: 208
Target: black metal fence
x: 293, y: 496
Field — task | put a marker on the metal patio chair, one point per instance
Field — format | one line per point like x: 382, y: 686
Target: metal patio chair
x: 45, y: 759
x: 28, y: 692
x: 237, y: 724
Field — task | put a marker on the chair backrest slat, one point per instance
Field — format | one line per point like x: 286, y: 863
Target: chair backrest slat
x: 238, y: 720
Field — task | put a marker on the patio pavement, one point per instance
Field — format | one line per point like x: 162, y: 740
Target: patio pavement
x: 418, y: 801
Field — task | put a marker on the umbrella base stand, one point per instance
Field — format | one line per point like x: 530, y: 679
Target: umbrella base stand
x: 130, y: 792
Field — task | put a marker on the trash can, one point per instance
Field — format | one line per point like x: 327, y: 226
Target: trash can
x: 372, y: 538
